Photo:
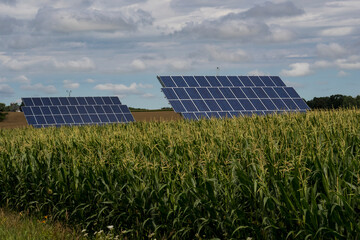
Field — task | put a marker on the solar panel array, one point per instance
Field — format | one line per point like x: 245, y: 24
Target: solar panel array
x: 59, y: 111
x: 198, y: 97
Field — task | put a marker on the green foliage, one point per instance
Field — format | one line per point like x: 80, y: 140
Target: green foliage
x: 2, y: 107
x: 293, y: 176
x: 2, y: 116
x: 20, y: 226
x: 334, y: 102
x: 13, y: 107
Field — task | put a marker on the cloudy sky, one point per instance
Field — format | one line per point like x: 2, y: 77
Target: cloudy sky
x: 118, y: 47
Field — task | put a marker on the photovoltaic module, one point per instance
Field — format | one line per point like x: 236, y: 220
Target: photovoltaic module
x: 196, y: 97
x: 59, y: 111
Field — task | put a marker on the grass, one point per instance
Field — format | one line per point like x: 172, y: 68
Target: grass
x: 292, y: 176
x: 19, y: 226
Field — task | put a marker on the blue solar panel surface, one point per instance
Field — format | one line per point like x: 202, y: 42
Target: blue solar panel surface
x: 59, y: 111
x: 197, y: 97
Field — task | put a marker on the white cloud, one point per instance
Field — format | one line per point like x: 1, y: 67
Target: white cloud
x: 22, y: 62
x: 3, y: 80
x: 89, y: 80
x: 39, y: 87
x: 217, y: 54
x: 83, y: 64
x: 148, y: 95
x: 121, y: 89
x: 332, y: 50
x: 297, y: 70
x: 342, y: 74
x: 22, y: 79
x: 351, y: 63
x: 70, y: 20
x: 6, y: 90
x: 336, y: 32
x: 68, y: 84
x: 323, y: 64
x: 294, y: 84
x: 138, y: 64
x: 179, y: 65
x: 256, y: 73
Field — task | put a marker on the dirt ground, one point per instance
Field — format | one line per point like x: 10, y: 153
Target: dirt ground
x: 17, y: 119
x: 14, y: 120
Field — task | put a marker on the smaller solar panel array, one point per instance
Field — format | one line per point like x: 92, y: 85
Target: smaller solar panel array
x: 198, y: 97
x: 72, y: 111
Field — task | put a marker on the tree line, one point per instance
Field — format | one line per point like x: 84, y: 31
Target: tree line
x: 334, y: 102
x: 13, y: 107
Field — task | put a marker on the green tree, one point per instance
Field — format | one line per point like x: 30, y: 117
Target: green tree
x: 2, y: 107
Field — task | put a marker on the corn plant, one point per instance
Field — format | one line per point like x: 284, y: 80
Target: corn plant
x: 290, y: 176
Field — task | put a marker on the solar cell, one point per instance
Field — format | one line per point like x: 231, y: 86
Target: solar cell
x: 225, y: 106
x: 212, y: 105
x: 227, y: 92
x: 202, y: 81
x: 277, y: 81
x: 81, y: 101
x: 215, y: 92
x: 37, y: 102
x: 169, y: 93
x: 193, y: 93
x: 50, y: 119
x: 189, y: 106
x: 204, y: 92
x: 190, y: 80
x: 257, y: 81
x: 43, y: 112
x: 73, y: 101
x: 260, y: 92
x: 235, y: 104
x: 267, y: 81
x: 63, y: 101
x: 290, y: 104
x: 291, y: 92
x: 235, y: 81
x: 201, y: 115
x: 167, y: 81
x: 230, y: 96
x: 179, y: 81
x: 36, y: 111
x: 181, y: 93
x: 213, y: 81
x: 55, y: 101
x: 190, y: 116
x: 46, y: 101
x: 258, y: 104
x: 246, y: 81
x: 28, y: 102
x: 27, y: 111
x: 268, y: 104
x: 224, y: 81
x: 107, y: 100
x: 201, y: 105
x: 249, y: 93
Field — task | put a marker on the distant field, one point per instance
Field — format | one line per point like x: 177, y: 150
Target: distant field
x: 292, y: 176
x: 17, y: 119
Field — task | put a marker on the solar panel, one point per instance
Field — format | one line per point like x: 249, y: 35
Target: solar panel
x: 72, y: 111
x: 197, y: 97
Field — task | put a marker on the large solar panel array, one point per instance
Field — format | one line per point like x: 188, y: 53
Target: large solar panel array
x: 198, y: 97
x: 59, y: 111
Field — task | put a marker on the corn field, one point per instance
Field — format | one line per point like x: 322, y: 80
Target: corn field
x: 292, y: 176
